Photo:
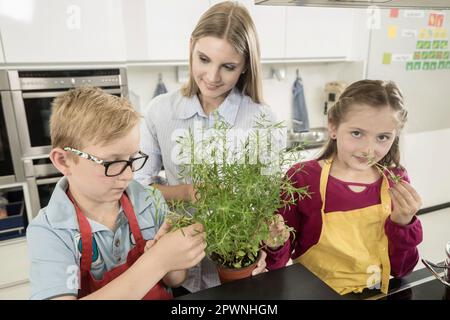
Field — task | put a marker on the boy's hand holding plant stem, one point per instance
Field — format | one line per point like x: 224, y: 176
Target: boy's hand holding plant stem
x: 181, y: 248
x: 405, y: 199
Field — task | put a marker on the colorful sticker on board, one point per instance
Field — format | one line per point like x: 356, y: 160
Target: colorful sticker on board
x: 394, y: 13
x: 419, y: 44
x: 436, y: 44
x: 417, y: 65
x: 424, y: 55
x: 392, y: 32
x: 425, y: 65
x: 443, y: 45
x: 387, y: 58
x: 435, y: 20
x: 445, y: 55
x: 409, y: 66
x: 441, y: 65
x: 447, y: 65
x: 439, y: 55
x: 425, y: 33
x: 427, y: 44
x: 432, y: 54
x: 417, y: 55
x: 433, y: 65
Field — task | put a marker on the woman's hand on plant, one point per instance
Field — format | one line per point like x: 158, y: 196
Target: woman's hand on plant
x: 190, y: 193
x: 406, y: 202
x: 261, y: 264
x: 182, y: 248
x: 278, y: 233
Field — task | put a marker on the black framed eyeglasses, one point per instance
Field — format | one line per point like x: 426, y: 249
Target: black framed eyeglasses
x: 116, y: 167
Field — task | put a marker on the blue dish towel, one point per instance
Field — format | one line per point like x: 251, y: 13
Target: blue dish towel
x: 160, y: 88
x: 300, y: 119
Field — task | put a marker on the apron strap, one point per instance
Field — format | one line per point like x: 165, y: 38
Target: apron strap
x: 86, y: 236
x: 132, y: 221
x: 324, y: 181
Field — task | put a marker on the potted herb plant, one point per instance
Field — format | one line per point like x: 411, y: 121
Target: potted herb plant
x: 238, y: 177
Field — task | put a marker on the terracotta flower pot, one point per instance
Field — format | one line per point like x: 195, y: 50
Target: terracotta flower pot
x: 230, y: 274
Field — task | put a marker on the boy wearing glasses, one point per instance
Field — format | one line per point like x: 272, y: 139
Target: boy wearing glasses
x: 102, y: 234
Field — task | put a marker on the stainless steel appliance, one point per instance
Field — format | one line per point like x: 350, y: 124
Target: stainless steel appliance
x: 11, y: 168
x: 32, y: 93
x: 402, y: 4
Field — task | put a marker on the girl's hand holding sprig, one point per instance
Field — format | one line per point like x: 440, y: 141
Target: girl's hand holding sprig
x: 406, y: 202
x: 405, y: 199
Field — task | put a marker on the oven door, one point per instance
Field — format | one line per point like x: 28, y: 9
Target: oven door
x: 15, y: 212
x: 40, y: 192
x: 11, y: 169
x: 33, y: 110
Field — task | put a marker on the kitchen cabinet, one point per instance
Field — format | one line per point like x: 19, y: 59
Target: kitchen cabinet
x: 318, y: 33
x: 270, y: 23
x: 168, y: 27
x: 48, y: 31
x: 15, y: 263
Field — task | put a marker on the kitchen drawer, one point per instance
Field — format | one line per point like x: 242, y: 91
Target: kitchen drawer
x: 14, y: 261
x: 19, y: 291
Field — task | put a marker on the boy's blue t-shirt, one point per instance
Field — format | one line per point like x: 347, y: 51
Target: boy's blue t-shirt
x: 54, y: 240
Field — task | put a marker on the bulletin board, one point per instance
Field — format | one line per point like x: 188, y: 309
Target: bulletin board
x: 411, y: 47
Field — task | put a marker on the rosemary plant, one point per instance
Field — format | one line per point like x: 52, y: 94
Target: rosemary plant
x: 237, y: 188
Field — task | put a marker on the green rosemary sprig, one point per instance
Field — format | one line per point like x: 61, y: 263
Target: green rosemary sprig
x: 382, y: 169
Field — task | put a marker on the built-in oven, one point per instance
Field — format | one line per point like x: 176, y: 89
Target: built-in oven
x: 32, y: 94
x: 11, y: 169
x: 15, y: 210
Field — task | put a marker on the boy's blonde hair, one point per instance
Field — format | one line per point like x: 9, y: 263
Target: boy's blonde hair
x: 90, y: 115
x: 231, y: 21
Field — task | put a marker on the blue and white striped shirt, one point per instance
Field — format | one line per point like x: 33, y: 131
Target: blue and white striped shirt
x: 171, y: 113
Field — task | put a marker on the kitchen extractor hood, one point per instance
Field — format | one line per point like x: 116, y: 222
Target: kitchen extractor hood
x: 401, y: 4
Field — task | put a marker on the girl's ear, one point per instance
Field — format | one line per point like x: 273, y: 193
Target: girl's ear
x: 332, y: 130
x: 60, y: 160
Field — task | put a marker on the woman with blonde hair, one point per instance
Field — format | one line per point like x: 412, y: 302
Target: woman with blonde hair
x: 225, y: 78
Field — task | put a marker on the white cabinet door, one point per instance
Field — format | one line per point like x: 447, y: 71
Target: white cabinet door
x: 135, y: 26
x: 14, y: 261
x: 270, y: 22
x: 318, y: 32
x: 169, y: 25
x: 36, y: 31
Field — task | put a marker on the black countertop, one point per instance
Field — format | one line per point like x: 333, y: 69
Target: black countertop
x: 295, y: 282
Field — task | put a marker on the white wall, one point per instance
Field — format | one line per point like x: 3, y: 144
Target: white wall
x: 426, y: 156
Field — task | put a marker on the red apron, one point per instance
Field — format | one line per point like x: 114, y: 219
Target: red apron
x: 88, y: 284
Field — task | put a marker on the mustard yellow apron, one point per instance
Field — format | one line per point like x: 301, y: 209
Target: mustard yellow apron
x: 352, y: 252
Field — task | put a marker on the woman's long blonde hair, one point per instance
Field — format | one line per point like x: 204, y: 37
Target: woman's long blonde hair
x: 231, y: 21
x: 376, y: 94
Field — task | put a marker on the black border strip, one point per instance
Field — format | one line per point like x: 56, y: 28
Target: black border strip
x: 434, y: 208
